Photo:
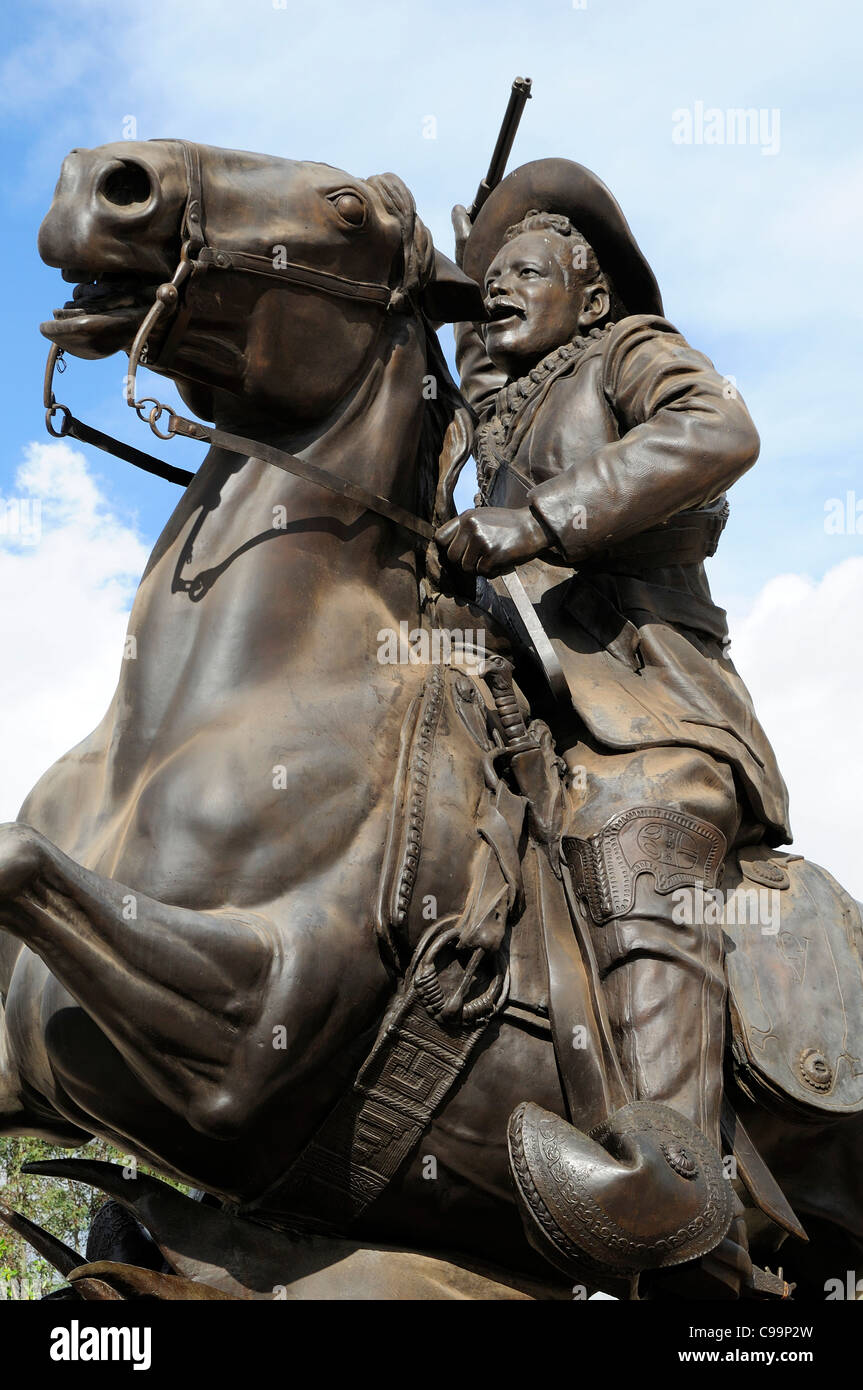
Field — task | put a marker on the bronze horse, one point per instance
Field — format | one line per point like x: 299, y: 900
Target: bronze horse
x: 203, y: 872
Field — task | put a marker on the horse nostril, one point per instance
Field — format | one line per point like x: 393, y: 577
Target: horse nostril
x: 126, y: 184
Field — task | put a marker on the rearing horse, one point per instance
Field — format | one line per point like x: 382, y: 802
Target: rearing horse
x: 203, y: 873
x: 202, y: 870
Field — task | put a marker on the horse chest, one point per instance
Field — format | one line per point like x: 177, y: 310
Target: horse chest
x: 251, y: 729
x: 254, y: 799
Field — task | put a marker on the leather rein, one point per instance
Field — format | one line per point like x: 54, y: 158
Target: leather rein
x: 196, y: 257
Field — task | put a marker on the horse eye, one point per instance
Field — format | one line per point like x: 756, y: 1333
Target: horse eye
x: 350, y: 208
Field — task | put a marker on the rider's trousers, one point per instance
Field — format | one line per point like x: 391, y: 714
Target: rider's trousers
x: 660, y: 962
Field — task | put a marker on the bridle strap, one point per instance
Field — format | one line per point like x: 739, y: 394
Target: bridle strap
x: 193, y: 241
x: 202, y: 254
x: 194, y: 237
x: 236, y: 444
x: 294, y: 273
x: 305, y: 469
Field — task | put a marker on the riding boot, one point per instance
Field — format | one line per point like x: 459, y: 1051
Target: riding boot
x: 664, y: 983
x: 647, y: 1190
x: 663, y: 978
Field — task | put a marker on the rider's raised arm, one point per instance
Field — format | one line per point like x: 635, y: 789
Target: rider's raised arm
x: 685, y: 436
x: 480, y: 379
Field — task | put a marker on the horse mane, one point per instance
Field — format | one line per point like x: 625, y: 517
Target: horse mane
x: 442, y: 452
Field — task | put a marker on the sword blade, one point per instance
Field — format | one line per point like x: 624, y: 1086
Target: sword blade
x: 538, y: 636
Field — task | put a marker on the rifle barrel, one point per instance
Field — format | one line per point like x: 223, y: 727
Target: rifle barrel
x: 517, y: 98
x: 519, y: 94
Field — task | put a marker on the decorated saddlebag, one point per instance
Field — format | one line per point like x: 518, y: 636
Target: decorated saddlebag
x: 794, y: 953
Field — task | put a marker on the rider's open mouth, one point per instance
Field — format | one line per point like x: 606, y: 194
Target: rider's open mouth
x: 498, y: 312
x: 103, y: 313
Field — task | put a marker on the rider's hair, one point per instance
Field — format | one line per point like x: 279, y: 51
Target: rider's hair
x: 582, y: 257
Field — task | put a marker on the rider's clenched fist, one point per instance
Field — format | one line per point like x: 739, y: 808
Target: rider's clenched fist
x: 491, y: 540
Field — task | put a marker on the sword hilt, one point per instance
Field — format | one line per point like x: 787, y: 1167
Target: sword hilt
x: 497, y: 674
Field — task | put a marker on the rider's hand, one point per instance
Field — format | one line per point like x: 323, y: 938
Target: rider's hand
x: 491, y: 540
x: 461, y: 225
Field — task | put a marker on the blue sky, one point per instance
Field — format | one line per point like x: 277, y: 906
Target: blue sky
x: 756, y: 253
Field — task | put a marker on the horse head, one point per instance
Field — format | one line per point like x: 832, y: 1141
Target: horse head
x: 277, y: 281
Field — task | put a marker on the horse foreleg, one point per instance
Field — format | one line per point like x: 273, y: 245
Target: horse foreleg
x: 179, y: 993
x: 20, y: 1112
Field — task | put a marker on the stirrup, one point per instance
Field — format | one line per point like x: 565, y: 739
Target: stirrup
x: 644, y: 1190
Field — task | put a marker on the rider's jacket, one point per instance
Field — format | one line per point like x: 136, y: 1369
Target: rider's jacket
x: 623, y: 444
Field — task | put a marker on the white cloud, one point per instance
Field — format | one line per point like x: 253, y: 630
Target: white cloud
x: 799, y: 650
x: 64, y: 605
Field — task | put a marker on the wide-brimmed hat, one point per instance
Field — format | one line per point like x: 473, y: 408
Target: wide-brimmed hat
x: 562, y: 186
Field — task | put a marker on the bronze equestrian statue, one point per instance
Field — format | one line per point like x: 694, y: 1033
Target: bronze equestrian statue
x: 378, y: 955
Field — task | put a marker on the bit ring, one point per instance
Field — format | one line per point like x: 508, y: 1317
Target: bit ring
x: 66, y: 424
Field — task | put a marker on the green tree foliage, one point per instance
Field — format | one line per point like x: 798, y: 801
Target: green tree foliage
x: 64, y: 1208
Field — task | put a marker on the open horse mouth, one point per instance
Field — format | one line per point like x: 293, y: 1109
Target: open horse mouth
x: 103, y: 314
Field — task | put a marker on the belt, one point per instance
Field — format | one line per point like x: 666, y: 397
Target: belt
x: 688, y: 538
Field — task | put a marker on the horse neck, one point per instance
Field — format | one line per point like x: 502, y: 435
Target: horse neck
x: 371, y: 438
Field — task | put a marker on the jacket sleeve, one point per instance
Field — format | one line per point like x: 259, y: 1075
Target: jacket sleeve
x: 685, y: 436
x: 480, y: 379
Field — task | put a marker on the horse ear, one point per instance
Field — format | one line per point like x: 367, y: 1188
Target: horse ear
x: 451, y: 296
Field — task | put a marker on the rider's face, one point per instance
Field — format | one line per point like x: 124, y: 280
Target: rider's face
x: 533, y: 303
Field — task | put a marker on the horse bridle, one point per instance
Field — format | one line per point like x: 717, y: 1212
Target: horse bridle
x: 197, y: 256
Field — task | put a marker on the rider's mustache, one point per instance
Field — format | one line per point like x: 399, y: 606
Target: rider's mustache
x: 502, y: 307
